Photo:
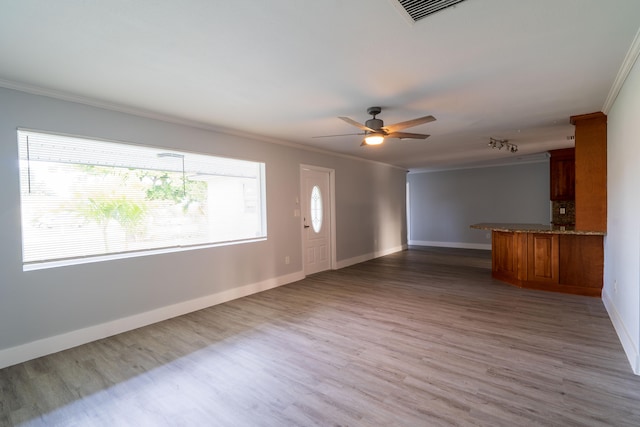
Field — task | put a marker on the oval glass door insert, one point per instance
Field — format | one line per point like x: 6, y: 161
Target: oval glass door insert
x: 316, y: 209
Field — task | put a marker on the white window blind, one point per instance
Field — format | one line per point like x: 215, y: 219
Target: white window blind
x: 84, y: 198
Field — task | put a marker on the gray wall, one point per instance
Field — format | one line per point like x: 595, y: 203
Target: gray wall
x: 444, y: 204
x: 45, y: 307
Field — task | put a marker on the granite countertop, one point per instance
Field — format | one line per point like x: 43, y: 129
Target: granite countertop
x: 534, y: 228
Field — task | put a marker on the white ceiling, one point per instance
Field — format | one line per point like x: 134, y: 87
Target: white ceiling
x: 285, y: 69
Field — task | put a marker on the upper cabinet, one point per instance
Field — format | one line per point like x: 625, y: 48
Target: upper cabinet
x: 591, y: 171
x: 562, y: 168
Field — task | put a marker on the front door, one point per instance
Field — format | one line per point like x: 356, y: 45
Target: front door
x: 316, y: 215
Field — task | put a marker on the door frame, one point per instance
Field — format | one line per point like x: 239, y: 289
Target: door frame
x: 332, y: 213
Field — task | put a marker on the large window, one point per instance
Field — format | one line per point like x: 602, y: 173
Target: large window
x: 86, y: 198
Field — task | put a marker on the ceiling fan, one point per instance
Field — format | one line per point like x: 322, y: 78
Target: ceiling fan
x: 375, y: 131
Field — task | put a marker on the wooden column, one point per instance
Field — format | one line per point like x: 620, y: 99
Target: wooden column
x: 591, y: 171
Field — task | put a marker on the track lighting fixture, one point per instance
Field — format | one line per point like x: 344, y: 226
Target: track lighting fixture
x: 499, y: 143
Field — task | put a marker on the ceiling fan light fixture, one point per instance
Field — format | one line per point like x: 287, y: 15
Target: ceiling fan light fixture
x: 375, y: 131
x: 374, y: 139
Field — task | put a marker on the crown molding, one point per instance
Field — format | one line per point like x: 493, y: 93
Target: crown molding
x: 525, y: 160
x: 140, y: 112
x: 628, y: 63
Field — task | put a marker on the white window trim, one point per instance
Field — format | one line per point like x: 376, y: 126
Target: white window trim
x: 78, y: 260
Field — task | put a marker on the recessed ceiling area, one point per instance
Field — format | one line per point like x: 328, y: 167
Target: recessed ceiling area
x: 503, y: 69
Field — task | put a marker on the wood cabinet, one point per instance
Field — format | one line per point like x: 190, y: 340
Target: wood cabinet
x: 507, y: 254
x: 591, y: 171
x: 562, y: 174
x: 568, y: 263
x: 582, y: 258
x: 542, y: 258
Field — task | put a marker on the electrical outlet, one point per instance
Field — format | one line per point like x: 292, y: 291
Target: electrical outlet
x: 287, y: 260
x: 563, y: 211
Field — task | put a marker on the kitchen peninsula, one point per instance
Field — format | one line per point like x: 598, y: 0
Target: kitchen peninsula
x: 546, y: 257
x: 567, y: 256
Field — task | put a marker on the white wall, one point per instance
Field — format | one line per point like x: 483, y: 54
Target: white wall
x: 621, y: 292
x: 47, y: 310
x: 444, y: 204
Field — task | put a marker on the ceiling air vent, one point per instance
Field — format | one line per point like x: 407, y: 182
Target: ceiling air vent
x: 418, y: 9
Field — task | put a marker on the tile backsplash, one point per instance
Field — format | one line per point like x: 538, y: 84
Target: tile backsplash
x: 569, y: 216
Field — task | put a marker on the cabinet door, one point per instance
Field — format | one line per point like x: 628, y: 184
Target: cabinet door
x: 542, y: 258
x: 562, y: 174
x: 508, y: 251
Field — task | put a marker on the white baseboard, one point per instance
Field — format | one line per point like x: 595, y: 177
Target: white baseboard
x: 366, y: 257
x: 630, y: 349
x: 460, y: 245
x: 54, y: 344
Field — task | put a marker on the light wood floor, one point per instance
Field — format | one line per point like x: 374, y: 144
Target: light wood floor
x: 420, y: 338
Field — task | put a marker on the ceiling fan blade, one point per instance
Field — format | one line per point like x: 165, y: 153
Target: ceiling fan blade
x: 407, y: 135
x: 356, y: 124
x: 409, y: 123
x: 342, y: 134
